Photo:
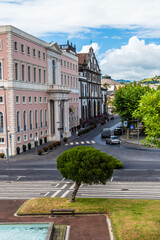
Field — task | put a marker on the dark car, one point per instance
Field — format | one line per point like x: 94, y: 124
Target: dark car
x: 113, y: 140
x: 105, y: 133
x: 118, y: 130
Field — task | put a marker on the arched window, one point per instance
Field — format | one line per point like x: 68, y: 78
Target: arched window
x: 18, y: 121
x: 30, y: 119
x: 53, y: 72
x: 1, y: 123
x: 24, y: 121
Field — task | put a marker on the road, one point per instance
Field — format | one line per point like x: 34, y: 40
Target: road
x: 33, y: 176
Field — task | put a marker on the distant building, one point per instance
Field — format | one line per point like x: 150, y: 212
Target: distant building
x: 112, y: 86
x: 90, y: 85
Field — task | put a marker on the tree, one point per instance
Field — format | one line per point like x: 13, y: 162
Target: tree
x: 126, y: 100
x: 86, y: 165
x: 149, y: 111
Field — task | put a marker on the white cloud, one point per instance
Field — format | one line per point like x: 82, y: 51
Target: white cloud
x: 39, y: 16
x: 95, y: 46
x: 133, y: 61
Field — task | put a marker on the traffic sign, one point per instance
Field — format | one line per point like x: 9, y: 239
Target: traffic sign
x: 125, y: 123
x: 131, y: 127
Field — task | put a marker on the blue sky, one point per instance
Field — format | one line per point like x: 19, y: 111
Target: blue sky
x: 125, y: 34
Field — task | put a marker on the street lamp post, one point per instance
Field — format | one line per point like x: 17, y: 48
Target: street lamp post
x: 7, y: 146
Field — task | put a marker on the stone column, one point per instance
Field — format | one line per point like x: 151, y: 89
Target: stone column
x: 56, y: 136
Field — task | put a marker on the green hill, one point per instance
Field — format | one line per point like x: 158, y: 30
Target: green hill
x: 152, y: 80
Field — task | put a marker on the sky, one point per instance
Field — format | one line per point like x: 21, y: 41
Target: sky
x: 125, y: 34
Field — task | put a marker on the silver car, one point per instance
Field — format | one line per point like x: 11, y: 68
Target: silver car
x: 113, y: 140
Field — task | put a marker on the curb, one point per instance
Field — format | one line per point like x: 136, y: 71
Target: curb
x: 110, y: 228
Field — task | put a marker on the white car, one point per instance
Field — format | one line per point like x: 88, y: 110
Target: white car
x: 113, y: 140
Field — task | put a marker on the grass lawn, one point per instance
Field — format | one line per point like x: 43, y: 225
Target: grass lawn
x: 131, y: 219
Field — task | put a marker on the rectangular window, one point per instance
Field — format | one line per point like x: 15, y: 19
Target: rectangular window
x: 34, y: 52
x: 34, y: 75
x: 41, y: 133
x: 73, y: 66
x: 16, y: 71
x: 64, y: 63
x: 44, y: 75
x: 25, y: 137
x: 1, y: 140
x: 71, y: 82
x: 74, y: 82
x: 24, y: 99
x: 17, y: 99
x: 45, y: 99
x: 65, y: 81
x: 70, y: 65
x: 1, y: 99
x: 29, y: 73
x: 28, y: 50
x: 31, y: 135
x: 39, y: 75
x: 35, y: 99
x: 0, y: 71
x: 68, y: 81
x: 39, y: 54
x: 23, y: 73
x: 0, y: 44
x: 62, y: 79
x: 18, y: 139
x: 76, y: 68
x: 67, y: 64
x: 45, y: 117
x: 40, y: 99
x: 22, y: 48
x: 15, y: 46
x: 61, y: 63
x: 45, y: 132
x: 44, y: 56
x: 30, y: 99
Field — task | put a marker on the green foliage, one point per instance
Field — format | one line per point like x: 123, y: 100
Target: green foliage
x: 86, y: 165
x: 127, y: 98
x: 149, y: 112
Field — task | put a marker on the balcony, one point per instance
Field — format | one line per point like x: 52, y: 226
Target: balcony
x: 58, y: 89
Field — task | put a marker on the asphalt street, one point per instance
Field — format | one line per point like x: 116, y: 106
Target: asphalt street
x: 140, y: 163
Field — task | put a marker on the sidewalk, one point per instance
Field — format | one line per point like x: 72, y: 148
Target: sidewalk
x: 133, y: 140
x: 82, y: 227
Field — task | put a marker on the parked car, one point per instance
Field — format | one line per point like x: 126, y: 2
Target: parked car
x: 113, y: 140
x: 105, y: 133
x: 118, y: 130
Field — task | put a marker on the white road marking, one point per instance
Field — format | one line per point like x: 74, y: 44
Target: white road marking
x: 93, y: 141
x: 16, y: 169
x: 81, y: 185
x: 66, y: 144
x: 88, y: 142
x: 56, y: 193
x: 77, y: 143
x: 63, y: 179
x: 44, y: 169
x: 111, y: 179
x: 72, y: 187
x: 46, y: 194
x: 65, y: 194
x: 82, y: 142
x: 67, y: 232
x: 57, y: 185
x: 71, y: 143
x: 64, y: 186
